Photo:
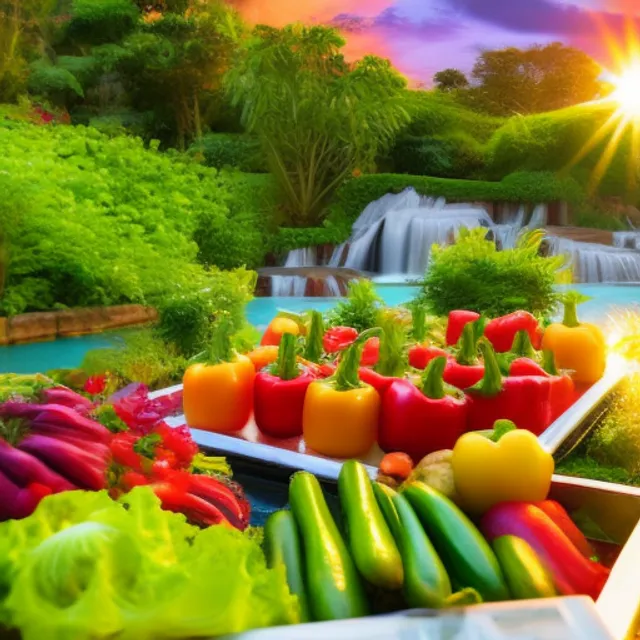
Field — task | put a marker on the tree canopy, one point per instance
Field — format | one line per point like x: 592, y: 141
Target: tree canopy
x: 450, y: 80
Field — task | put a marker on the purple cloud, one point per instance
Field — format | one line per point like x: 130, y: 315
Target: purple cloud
x: 542, y: 16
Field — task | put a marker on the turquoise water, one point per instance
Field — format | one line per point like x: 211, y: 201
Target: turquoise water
x: 68, y: 352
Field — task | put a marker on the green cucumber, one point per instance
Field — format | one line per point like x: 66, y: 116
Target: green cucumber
x: 334, y: 586
x: 384, y: 497
x: 372, y: 546
x: 465, y: 553
x: 426, y: 583
x: 282, y: 546
x: 526, y: 576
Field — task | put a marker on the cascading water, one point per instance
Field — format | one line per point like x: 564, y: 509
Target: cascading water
x: 594, y: 262
x: 627, y: 239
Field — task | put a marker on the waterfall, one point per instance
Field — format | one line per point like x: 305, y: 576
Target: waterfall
x: 594, y: 262
x: 627, y: 239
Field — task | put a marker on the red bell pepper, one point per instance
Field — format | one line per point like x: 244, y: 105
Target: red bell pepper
x: 420, y: 421
x: 557, y: 513
x: 338, y: 339
x: 573, y: 574
x: 466, y: 370
x: 392, y: 361
x: 458, y: 320
x: 562, y: 391
x: 525, y: 401
x: 279, y: 393
x: 283, y: 323
x: 421, y: 355
x: 501, y: 332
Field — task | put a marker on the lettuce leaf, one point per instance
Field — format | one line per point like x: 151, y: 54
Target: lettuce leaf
x: 84, y: 567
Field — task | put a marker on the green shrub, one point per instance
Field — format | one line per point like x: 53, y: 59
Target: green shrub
x: 53, y: 83
x: 91, y: 220
x: 185, y: 322
x: 289, y: 238
x: 360, y: 309
x: 354, y: 195
x: 100, y: 22
x: 472, y: 274
x: 592, y: 217
x: 573, y: 141
x: 237, y: 151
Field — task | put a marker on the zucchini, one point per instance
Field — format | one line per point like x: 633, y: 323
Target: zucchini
x: 372, y: 546
x: 526, y: 576
x: 426, y: 583
x: 282, y: 546
x: 334, y: 586
x: 465, y: 553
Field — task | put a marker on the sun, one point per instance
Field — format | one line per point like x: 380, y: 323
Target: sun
x: 627, y: 91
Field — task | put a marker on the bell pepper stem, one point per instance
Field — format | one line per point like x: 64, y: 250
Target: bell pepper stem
x: 549, y: 363
x: 500, y: 428
x: 571, y: 300
x: 467, y: 346
x: 346, y: 376
x: 419, y: 324
x: 313, y: 347
x: 432, y: 384
x: 522, y: 346
x: 220, y: 347
x: 286, y: 366
x: 392, y: 360
x: 491, y: 383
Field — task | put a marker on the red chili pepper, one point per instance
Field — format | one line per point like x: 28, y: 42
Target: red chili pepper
x: 562, y: 390
x: 132, y: 479
x: 279, y: 393
x: 179, y: 441
x: 216, y: 493
x: 557, y: 513
x: 370, y: 352
x: 572, y: 573
x: 421, y: 355
x: 525, y: 401
x: 457, y: 322
x: 420, y: 421
x: 466, y: 370
x: 123, y: 453
x: 197, y: 510
x: 501, y: 332
x: 338, y: 339
x: 95, y: 385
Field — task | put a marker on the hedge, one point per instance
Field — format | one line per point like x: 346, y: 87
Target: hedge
x: 356, y: 194
x: 567, y: 141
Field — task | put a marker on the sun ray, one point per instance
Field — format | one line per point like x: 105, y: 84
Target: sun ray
x: 607, y: 156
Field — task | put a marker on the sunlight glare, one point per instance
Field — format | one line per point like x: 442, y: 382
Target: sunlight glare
x: 627, y: 92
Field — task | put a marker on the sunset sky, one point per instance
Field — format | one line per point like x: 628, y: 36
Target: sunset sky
x: 425, y: 36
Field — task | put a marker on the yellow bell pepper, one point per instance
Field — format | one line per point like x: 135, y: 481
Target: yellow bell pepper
x: 510, y: 465
x: 580, y: 348
x: 340, y: 414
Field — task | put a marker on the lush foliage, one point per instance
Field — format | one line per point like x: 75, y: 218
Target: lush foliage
x: 578, y: 140
x: 102, y: 569
x: 220, y: 150
x: 450, y: 80
x: 472, y: 274
x: 89, y: 220
x: 361, y: 308
x: 317, y: 117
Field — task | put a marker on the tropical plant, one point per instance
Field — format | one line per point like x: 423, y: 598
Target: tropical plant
x: 318, y: 117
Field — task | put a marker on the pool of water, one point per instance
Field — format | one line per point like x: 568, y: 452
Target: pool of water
x: 69, y: 352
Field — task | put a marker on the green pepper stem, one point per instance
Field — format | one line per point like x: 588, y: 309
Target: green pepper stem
x: 491, y: 383
x: 418, y: 323
x: 286, y: 366
x: 500, y: 428
x: 313, y: 347
x: 346, y: 376
x: 571, y: 300
x: 392, y: 360
x: 432, y: 384
x: 467, y: 346
x: 522, y: 346
x: 549, y: 363
x: 220, y: 347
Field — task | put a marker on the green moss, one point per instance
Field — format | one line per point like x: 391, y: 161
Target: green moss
x: 586, y: 467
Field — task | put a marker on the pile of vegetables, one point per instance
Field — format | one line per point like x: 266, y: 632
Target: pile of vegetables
x: 60, y: 440
x: 86, y: 567
x: 417, y: 548
x: 343, y: 390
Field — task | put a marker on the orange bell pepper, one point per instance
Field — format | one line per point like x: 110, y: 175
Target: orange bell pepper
x: 281, y: 324
x: 340, y: 415
x: 263, y: 356
x: 218, y: 393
